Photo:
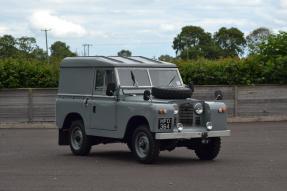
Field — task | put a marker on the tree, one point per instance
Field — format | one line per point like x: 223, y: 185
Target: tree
x: 8, y: 46
x: 125, y: 53
x: 26, y: 47
x: 273, y: 54
x: 166, y: 58
x: 231, y: 41
x: 39, y: 54
x: 193, y: 42
x: 26, y: 44
x: 60, y: 50
x: 256, y: 38
x: 274, y: 47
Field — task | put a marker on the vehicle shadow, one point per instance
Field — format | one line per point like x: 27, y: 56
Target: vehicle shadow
x: 124, y: 156
x: 127, y: 157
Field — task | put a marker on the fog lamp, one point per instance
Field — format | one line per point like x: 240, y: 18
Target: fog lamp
x: 179, y: 127
x: 209, y: 125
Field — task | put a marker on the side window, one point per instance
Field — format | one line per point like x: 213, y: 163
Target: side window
x: 103, y: 78
x: 100, y: 74
x: 109, y: 77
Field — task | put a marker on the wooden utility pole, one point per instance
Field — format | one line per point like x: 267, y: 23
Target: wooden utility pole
x: 47, y: 49
x: 87, y: 53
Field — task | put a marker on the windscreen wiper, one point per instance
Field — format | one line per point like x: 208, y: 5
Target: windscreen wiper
x: 171, y: 80
x: 135, y: 83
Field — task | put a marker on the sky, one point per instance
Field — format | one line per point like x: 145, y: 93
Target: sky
x: 146, y: 27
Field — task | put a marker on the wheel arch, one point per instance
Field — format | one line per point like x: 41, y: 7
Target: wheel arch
x: 63, y: 138
x: 133, y: 123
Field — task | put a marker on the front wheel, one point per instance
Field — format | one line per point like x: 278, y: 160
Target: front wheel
x: 129, y: 144
x: 79, y: 141
x: 209, y: 150
x: 144, y: 147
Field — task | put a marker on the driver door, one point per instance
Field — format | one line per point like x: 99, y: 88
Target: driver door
x: 103, y: 116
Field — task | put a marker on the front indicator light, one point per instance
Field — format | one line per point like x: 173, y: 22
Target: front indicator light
x: 162, y: 111
x: 222, y: 110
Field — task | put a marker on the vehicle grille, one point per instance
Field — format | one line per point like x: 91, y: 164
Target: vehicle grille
x: 186, y: 114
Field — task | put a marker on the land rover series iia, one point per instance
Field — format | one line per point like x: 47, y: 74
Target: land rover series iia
x: 138, y: 101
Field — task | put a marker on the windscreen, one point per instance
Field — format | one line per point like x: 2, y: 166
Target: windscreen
x: 161, y: 78
x: 134, y: 77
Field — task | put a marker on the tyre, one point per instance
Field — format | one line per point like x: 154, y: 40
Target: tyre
x: 79, y: 141
x: 129, y: 144
x: 144, y: 147
x: 209, y: 150
x: 171, y: 93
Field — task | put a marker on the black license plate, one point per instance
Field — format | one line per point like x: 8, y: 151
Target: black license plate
x: 164, y: 123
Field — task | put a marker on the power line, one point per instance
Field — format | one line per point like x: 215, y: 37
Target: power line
x: 87, y: 51
x: 133, y: 43
x: 46, y: 36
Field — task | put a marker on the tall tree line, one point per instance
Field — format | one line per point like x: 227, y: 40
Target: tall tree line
x: 194, y: 42
x: 27, y: 48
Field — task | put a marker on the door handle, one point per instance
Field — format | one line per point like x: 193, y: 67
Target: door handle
x: 94, y: 109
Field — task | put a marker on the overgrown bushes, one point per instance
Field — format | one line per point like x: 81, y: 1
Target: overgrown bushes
x: 19, y: 73
x: 231, y: 71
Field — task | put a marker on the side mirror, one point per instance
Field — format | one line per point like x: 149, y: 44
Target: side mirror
x: 218, y: 95
x: 146, y: 95
x: 111, y: 89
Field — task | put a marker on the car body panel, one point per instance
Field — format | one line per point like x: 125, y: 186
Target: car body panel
x: 108, y: 116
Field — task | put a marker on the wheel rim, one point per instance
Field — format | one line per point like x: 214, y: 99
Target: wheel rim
x: 77, y: 138
x: 142, y: 145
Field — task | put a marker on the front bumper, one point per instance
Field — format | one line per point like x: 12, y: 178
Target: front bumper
x: 190, y: 135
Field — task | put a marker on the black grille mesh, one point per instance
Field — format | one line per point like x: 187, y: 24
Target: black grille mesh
x: 186, y: 114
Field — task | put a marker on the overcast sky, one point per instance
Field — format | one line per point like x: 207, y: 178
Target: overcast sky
x: 146, y: 27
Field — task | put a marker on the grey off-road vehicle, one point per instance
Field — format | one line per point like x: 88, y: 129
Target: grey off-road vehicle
x: 137, y: 101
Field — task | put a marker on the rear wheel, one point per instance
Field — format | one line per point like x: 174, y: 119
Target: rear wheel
x: 79, y: 141
x: 209, y: 150
x: 144, y: 147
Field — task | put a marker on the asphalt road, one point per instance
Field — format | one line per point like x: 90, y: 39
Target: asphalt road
x: 253, y: 158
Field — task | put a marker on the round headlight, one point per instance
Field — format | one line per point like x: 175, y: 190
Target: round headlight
x: 198, y: 108
x: 175, y: 107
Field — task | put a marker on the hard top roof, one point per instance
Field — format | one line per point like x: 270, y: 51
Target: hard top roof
x: 114, y: 61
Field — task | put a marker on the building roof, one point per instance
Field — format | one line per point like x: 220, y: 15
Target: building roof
x: 114, y: 61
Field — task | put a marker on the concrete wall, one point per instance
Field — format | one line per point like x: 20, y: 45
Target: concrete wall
x: 245, y: 103
x: 250, y: 103
x: 27, y: 105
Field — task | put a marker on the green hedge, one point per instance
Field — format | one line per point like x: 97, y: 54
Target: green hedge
x: 232, y: 71
x: 16, y: 73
